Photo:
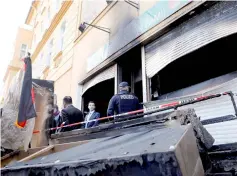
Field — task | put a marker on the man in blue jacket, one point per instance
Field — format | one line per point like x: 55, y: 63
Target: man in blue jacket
x: 123, y: 102
x: 92, y: 115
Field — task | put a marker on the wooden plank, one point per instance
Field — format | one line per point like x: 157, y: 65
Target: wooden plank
x: 19, y: 155
x: 9, y: 154
x: 37, y: 153
x: 65, y: 146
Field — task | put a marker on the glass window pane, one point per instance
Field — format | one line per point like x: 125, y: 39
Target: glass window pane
x: 22, y: 54
x: 63, y: 27
x: 49, y: 14
x: 41, y: 57
x: 23, y: 47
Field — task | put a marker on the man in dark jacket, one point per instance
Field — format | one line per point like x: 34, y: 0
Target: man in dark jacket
x: 70, y: 114
x: 123, y: 102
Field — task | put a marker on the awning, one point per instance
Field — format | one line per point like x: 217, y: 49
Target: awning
x: 105, y: 75
x: 216, y: 22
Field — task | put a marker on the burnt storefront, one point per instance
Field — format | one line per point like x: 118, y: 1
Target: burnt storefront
x: 99, y: 89
x: 122, y: 48
x: 197, y: 50
x: 130, y: 70
x: 196, y: 57
x: 189, y: 50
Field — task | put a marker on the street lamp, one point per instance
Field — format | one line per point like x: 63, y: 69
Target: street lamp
x: 82, y: 27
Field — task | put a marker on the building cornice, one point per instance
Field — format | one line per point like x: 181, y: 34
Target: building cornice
x: 56, y: 20
x: 34, y: 4
x: 57, y: 56
x: 45, y: 72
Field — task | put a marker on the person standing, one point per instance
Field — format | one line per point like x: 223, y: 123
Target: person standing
x: 70, y: 114
x: 123, y: 102
x: 57, y: 117
x: 91, y: 116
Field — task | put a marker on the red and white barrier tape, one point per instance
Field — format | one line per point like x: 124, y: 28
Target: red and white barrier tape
x: 160, y: 107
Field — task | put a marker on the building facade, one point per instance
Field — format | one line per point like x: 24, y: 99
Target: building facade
x: 55, y: 55
x: 55, y: 28
x: 79, y: 61
x: 109, y: 58
x: 21, y: 46
x: 164, y: 49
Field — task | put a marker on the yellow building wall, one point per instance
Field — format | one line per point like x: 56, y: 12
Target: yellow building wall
x: 62, y: 73
x: 62, y: 87
x: 40, y: 14
x: 65, y: 60
x: 94, y: 39
x: 24, y: 36
x: 73, y: 57
x: 7, y: 82
x: 61, y: 59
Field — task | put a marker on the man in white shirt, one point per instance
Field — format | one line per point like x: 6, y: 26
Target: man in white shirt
x: 91, y: 116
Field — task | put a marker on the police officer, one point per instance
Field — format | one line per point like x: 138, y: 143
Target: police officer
x: 123, y: 102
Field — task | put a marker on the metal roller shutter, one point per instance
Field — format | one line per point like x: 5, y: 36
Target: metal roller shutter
x: 211, y: 108
x: 223, y: 132
x: 105, y: 75
x: 217, y: 22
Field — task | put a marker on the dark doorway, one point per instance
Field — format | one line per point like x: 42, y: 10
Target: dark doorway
x: 101, y: 94
x: 131, y: 71
x: 211, y: 61
x: 138, y: 90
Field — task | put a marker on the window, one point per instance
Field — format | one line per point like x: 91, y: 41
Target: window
x: 50, y: 50
x: 41, y: 56
x: 42, y: 7
x: 42, y: 27
x: 34, y: 40
x: 49, y: 14
x: 51, y: 45
x: 49, y: 17
x: 62, y: 32
x: 23, y: 50
x: 58, y: 2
